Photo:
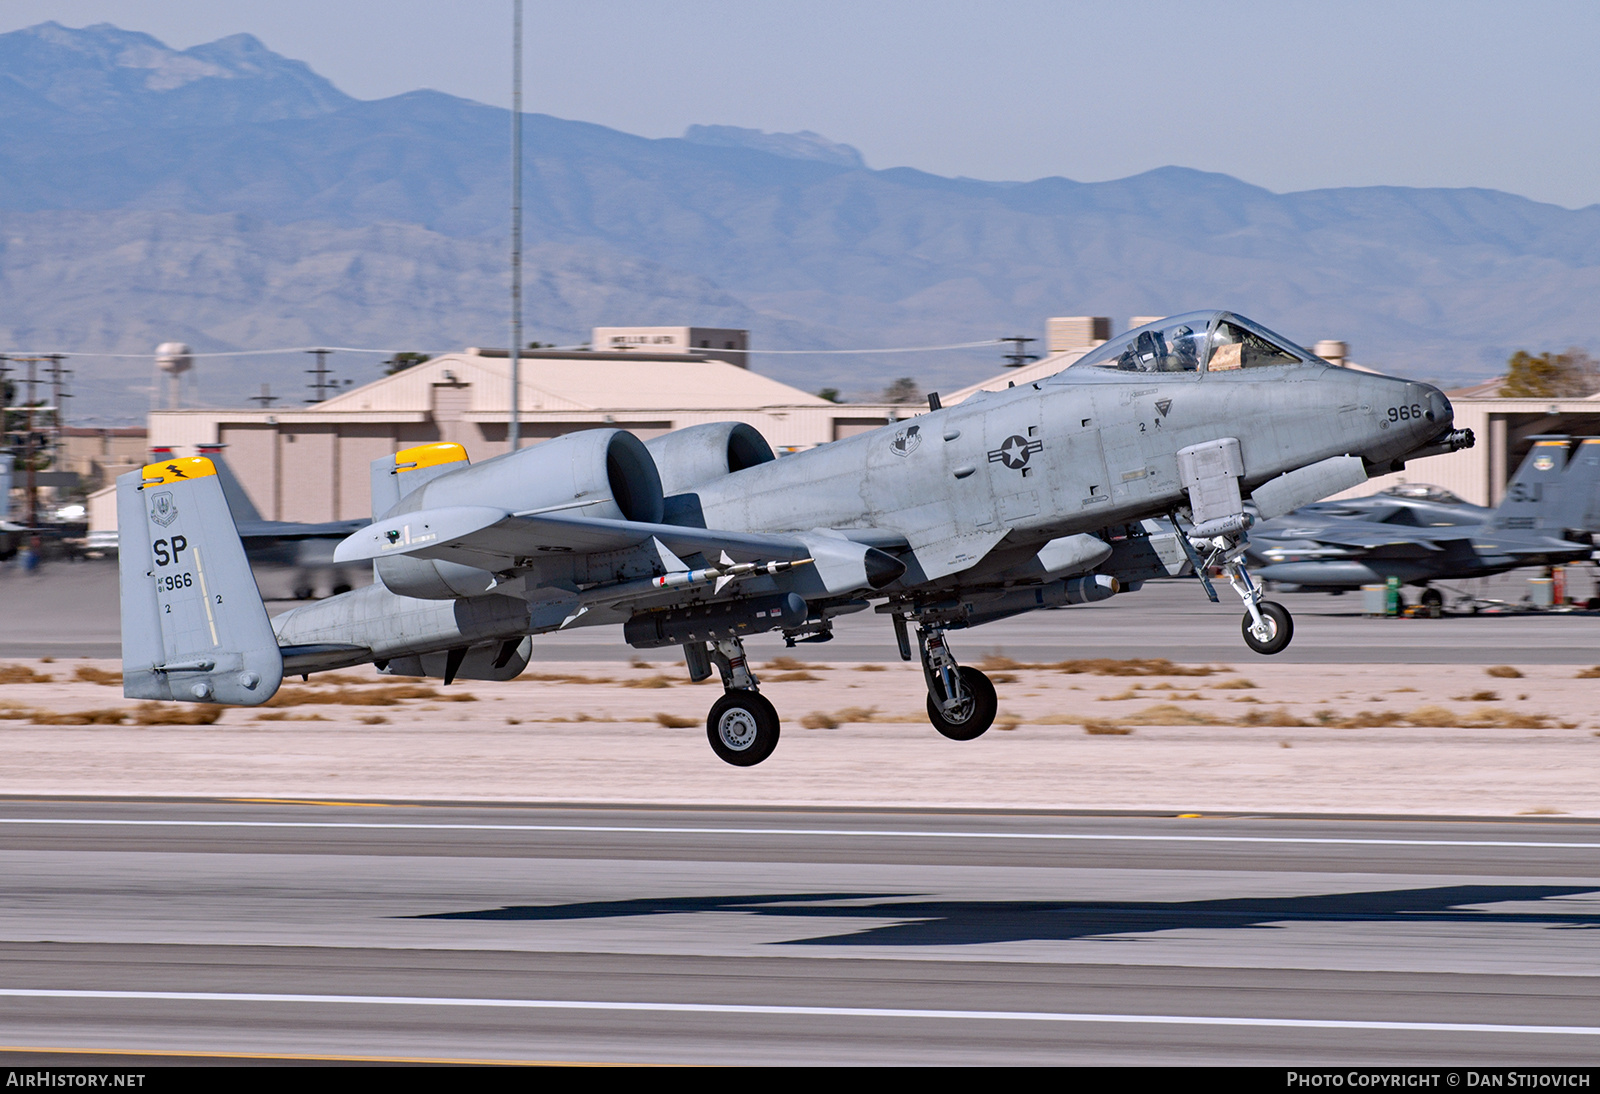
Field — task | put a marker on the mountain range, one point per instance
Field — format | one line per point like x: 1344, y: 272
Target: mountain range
x: 232, y: 198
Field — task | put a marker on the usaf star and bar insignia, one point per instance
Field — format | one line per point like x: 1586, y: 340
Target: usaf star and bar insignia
x: 1014, y: 451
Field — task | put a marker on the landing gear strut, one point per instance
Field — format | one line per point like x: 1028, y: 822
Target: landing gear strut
x: 1267, y: 625
x: 742, y: 726
x: 961, y: 701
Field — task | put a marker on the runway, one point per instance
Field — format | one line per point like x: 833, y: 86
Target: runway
x: 70, y: 610
x: 664, y: 935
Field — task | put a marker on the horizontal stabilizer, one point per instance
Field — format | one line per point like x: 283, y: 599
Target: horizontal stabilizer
x: 409, y: 533
x: 1395, y: 546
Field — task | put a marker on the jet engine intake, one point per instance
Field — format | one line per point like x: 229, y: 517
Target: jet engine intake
x: 686, y: 458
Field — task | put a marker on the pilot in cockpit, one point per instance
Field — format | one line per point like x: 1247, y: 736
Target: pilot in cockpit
x: 1185, y: 356
x: 1213, y: 341
x: 1146, y: 353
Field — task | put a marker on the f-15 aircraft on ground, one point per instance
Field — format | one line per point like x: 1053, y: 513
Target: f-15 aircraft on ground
x: 1422, y: 534
x: 301, y: 552
x: 1010, y: 501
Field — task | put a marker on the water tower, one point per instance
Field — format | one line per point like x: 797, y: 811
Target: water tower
x: 173, y: 359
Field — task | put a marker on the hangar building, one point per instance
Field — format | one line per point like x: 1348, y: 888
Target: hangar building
x: 311, y: 463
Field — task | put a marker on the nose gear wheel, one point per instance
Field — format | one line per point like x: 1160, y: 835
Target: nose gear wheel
x: 1273, y: 633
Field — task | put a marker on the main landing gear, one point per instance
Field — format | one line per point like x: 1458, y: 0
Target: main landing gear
x: 961, y: 701
x: 742, y: 726
x: 1267, y: 625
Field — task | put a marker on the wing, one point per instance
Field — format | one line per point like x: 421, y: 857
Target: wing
x: 493, y: 539
x: 828, y: 562
x: 1387, y: 544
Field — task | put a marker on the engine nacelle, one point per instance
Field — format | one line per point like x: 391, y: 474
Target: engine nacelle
x: 689, y: 457
x: 595, y: 473
x: 432, y: 578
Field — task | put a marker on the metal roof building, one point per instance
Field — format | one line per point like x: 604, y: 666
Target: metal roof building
x: 311, y: 463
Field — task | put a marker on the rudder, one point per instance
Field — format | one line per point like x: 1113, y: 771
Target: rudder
x: 193, y: 624
x: 1582, y: 485
x: 393, y: 477
x: 1536, y: 496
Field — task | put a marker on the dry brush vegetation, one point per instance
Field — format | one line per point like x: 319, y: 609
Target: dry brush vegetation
x: 349, y: 690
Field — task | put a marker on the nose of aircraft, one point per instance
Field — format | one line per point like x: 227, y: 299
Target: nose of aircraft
x: 1437, y: 408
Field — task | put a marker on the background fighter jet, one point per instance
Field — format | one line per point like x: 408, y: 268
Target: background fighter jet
x: 294, y: 555
x: 1010, y: 501
x: 1424, y: 534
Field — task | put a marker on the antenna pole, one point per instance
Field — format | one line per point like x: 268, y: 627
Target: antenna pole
x: 514, y: 425
x: 1019, y: 355
x: 30, y: 450
x: 58, y: 397
x: 319, y: 376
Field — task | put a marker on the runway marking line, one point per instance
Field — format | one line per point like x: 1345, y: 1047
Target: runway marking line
x: 797, y: 1011
x: 201, y: 1054
x: 870, y: 833
x: 308, y: 801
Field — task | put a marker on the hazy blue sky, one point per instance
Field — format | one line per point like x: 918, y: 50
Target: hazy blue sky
x: 1289, y: 95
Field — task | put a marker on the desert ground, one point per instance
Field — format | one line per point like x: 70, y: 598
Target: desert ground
x: 1103, y: 734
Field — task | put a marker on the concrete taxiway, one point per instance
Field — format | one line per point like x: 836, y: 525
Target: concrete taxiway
x: 790, y: 936
x: 70, y: 610
x: 358, y: 922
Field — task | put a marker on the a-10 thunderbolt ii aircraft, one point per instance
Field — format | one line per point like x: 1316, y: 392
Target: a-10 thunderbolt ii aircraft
x: 1010, y: 501
x: 1420, y: 534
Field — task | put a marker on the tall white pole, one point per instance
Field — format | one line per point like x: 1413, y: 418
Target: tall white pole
x: 514, y: 428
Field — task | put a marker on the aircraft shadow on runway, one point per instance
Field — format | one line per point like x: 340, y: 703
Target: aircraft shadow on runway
x: 971, y: 922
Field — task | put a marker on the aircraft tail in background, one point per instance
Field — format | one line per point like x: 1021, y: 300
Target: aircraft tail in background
x: 1539, y: 497
x: 239, y: 504
x: 1581, y: 484
x: 393, y: 477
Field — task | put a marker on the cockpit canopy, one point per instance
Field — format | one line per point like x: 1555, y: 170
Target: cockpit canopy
x: 1423, y: 491
x: 1197, y: 341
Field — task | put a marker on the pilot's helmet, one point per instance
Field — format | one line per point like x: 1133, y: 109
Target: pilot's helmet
x: 1186, y: 354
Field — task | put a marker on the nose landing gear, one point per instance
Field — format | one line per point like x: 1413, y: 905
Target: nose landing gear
x: 1269, y: 629
x: 1267, y: 625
